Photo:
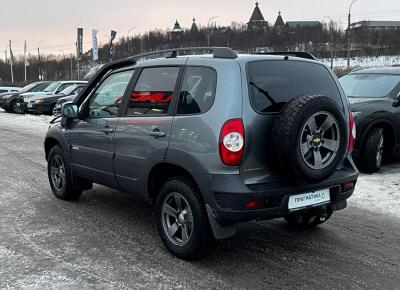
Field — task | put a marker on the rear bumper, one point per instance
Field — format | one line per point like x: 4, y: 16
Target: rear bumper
x: 227, y: 195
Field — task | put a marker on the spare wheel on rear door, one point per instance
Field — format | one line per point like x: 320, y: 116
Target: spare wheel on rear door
x: 309, y: 138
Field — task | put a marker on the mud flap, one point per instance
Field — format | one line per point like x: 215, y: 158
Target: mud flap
x: 339, y: 205
x: 219, y: 232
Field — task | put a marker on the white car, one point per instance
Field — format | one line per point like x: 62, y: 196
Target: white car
x: 9, y: 90
x: 53, y: 89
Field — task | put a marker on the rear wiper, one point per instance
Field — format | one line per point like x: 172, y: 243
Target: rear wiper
x: 264, y: 92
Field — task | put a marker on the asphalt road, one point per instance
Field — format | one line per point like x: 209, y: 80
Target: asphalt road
x: 109, y: 240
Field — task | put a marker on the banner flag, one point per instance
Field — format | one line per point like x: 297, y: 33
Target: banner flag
x: 79, y: 43
x: 26, y: 62
x: 95, y: 45
x: 111, y: 51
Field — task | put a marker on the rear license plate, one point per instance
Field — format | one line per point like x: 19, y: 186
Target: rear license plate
x: 29, y: 105
x: 18, y: 104
x: 312, y: 199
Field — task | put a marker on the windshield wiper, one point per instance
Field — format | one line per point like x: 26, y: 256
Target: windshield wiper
x: 264, y: 92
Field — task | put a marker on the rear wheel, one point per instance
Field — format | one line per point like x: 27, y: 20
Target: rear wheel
x: 373, y: 151
x: 63, y: 183
x: 182, y: 219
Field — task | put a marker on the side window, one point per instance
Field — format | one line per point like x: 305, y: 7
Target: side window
x: 3, y: 91
x: 198, y: 90
x: 153, y: 92
x: 107, y: 98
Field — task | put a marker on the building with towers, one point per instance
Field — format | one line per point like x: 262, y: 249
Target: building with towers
x: 257, y: 21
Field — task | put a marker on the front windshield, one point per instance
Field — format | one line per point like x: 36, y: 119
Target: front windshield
x: 69, y: 90
x: 28, y: 88
x: 52, y: 87
x: 40, y: 87
x: 369, y: 85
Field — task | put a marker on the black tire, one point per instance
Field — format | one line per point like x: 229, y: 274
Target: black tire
x: 201, y: 239
x: 373, y: 151
x: 71, y: 187
x: 51, y: 108
x: 12, y: 106
x: 287, y: 134
x: 307, y: 220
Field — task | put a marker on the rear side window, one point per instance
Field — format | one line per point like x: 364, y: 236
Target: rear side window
x: 274, y: 83
x: 3, y: 91
x: 198, y: 90
x: 153, y: 91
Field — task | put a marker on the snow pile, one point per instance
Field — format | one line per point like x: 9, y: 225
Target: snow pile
x: 379, y: 192
x: 365, y: 62
x: 26, y: 122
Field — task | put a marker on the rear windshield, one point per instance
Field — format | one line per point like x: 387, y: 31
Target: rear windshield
x: 273, y: 83
x: 369, y: 85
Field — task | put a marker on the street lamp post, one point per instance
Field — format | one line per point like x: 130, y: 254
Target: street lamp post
x: 209, y: 29
x: 127, y: 38
x: 62, y: 51
x: 331, y: 28
x: 39, y: 64
x: 349, y: 34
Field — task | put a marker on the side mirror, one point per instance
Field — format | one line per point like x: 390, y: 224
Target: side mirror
x: 69, y: 113
x: 396, y: 102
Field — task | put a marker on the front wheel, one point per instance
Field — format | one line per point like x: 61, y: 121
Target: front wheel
x: 62, y: 182
x: 372, y: 154
x: 182, y: 220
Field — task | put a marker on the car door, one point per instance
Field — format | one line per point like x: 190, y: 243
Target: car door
x: 91, y: 138
x: 142, y: 134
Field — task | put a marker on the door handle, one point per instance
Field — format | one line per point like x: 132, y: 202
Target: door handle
x: 157, y: 133
x: 107, y: 130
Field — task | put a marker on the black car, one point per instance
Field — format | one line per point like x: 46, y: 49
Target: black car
x: 48, y: 104
x: 374, y: 95
x: 8, y: 101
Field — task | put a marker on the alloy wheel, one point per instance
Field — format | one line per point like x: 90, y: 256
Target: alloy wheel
x: 177, y: 219
x: 57, y: 172
x: 320, y: 140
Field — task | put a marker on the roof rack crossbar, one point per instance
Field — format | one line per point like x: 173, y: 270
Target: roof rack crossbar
x: 301, y: 54
x: 218, y: 52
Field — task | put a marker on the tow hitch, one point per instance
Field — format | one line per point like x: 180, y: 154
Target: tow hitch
x: 323, y: 214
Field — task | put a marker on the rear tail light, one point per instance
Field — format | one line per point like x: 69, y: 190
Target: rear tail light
x: 352, y: 133
x: 231, y: 142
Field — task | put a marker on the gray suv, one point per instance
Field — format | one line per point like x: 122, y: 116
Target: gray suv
x: 210, y: 141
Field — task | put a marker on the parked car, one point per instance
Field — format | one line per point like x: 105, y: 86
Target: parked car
x: 28, y: 99
x: 210, y: 141
x: 374, y: 95
x: 9, y: 90
x: 47, y: 104
x: 9, y: 101
x: 70, y: 94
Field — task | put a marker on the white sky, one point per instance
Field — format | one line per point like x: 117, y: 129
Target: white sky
x: 55, y: 21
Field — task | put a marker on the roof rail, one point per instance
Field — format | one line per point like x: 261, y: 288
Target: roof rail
x: 218, y: 52
x: 301, y: 54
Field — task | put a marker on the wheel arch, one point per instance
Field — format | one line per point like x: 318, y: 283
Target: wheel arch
x: 54, y: 137
x: 162, y: 172
x: 389, y: 132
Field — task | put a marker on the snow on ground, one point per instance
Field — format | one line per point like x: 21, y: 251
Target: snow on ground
x: 365, y: 62
x: 379, y: 192
x: 26, y: 122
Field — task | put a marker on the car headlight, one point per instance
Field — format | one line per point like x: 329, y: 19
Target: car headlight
x: 40, y: 101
